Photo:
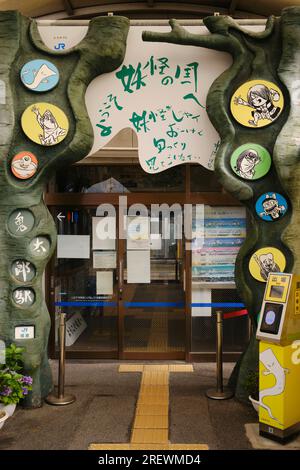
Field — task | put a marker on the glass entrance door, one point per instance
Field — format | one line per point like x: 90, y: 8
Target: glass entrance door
x: 152, y: 292
x: 84, y: 283
x: 124, y: 295
x: 133, y: 299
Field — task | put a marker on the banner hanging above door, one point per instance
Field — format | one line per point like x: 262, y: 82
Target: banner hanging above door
x: 159, y: 91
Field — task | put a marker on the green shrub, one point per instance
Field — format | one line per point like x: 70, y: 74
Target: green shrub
x: 13, y: 384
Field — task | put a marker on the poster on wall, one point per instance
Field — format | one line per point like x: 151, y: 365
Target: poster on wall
x: 224, y: 232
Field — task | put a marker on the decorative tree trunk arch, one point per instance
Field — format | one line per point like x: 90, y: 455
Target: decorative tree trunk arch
x: 28, y: 232
x: 270, y: 56
x: 28, y: 235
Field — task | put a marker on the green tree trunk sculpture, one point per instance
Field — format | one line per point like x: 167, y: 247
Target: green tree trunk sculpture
x: 272, y: 55
x: 27, y: 225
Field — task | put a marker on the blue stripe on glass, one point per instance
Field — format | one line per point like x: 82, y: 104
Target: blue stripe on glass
x: 147, y: 304
x: 86, y: 304
x: 217, y: 304
x: 154, y: 304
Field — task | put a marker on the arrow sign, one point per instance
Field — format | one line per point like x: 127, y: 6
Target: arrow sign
x: 60, y: 216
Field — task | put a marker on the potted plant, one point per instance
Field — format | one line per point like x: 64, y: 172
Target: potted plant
x: 13, y: 384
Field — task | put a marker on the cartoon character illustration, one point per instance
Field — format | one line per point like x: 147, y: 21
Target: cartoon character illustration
x: 272, y: 207
x: 260, y: 98
x: 40, y: 76
x: 272, y: 366
x: 24, y: 167
x: 266, y: 264
x: 246, y: 163
x: 51, y: 130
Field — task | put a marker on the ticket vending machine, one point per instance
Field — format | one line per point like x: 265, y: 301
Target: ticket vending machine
x: 279, y: 358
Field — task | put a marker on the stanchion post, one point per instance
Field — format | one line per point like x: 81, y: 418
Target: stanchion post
x: 61, y: 399
x: 220, y: 393
x: 250, y: 328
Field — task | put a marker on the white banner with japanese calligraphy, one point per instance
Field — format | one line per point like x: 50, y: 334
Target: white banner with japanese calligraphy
x: 159, y: 91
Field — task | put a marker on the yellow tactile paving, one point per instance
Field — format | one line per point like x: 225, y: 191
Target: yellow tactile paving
x: 151, y: 422
x: 155, y: 378
x: 154, y: 393
x: 149, y: 436
x: 151, y: 410
x: 153, y: 400
x: 156, y: 367
x: 148, y: 447
x: 158, y: 333
x: 154, y: 389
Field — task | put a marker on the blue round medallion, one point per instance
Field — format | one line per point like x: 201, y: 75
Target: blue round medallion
x: 271, y: 206
x: 39, y: 75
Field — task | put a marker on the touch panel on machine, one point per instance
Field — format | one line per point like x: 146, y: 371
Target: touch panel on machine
x: 277, y: 291
x: 271, y: 318
x: 277, y: 287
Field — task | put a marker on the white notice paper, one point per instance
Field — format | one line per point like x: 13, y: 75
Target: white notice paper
x: 104, y: 283
x: 75, y: 326
x: 203, y: 296
x: 138, y: 266
x: 73, y: 246
x: 104, y: 233
x: 104, y: 259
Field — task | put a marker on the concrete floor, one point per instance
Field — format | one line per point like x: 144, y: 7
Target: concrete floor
x: 105, y: 405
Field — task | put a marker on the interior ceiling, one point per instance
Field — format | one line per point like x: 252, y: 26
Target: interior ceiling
x: 149, y: 9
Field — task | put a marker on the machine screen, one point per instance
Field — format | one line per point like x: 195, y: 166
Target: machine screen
x: 276, y: 292
x: 271, y: 318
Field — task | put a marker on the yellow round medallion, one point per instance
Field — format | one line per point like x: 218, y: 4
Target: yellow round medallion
x: 45, y: 123
x: 266, y: 260
x: 257, y: 103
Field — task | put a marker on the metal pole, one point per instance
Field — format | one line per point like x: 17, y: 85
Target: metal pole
x: 220, y: 393
x: 219, y: 352
x: 61, y: 398
x: 62, y: 355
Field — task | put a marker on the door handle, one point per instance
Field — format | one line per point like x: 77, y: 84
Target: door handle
x: 120, y: 278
